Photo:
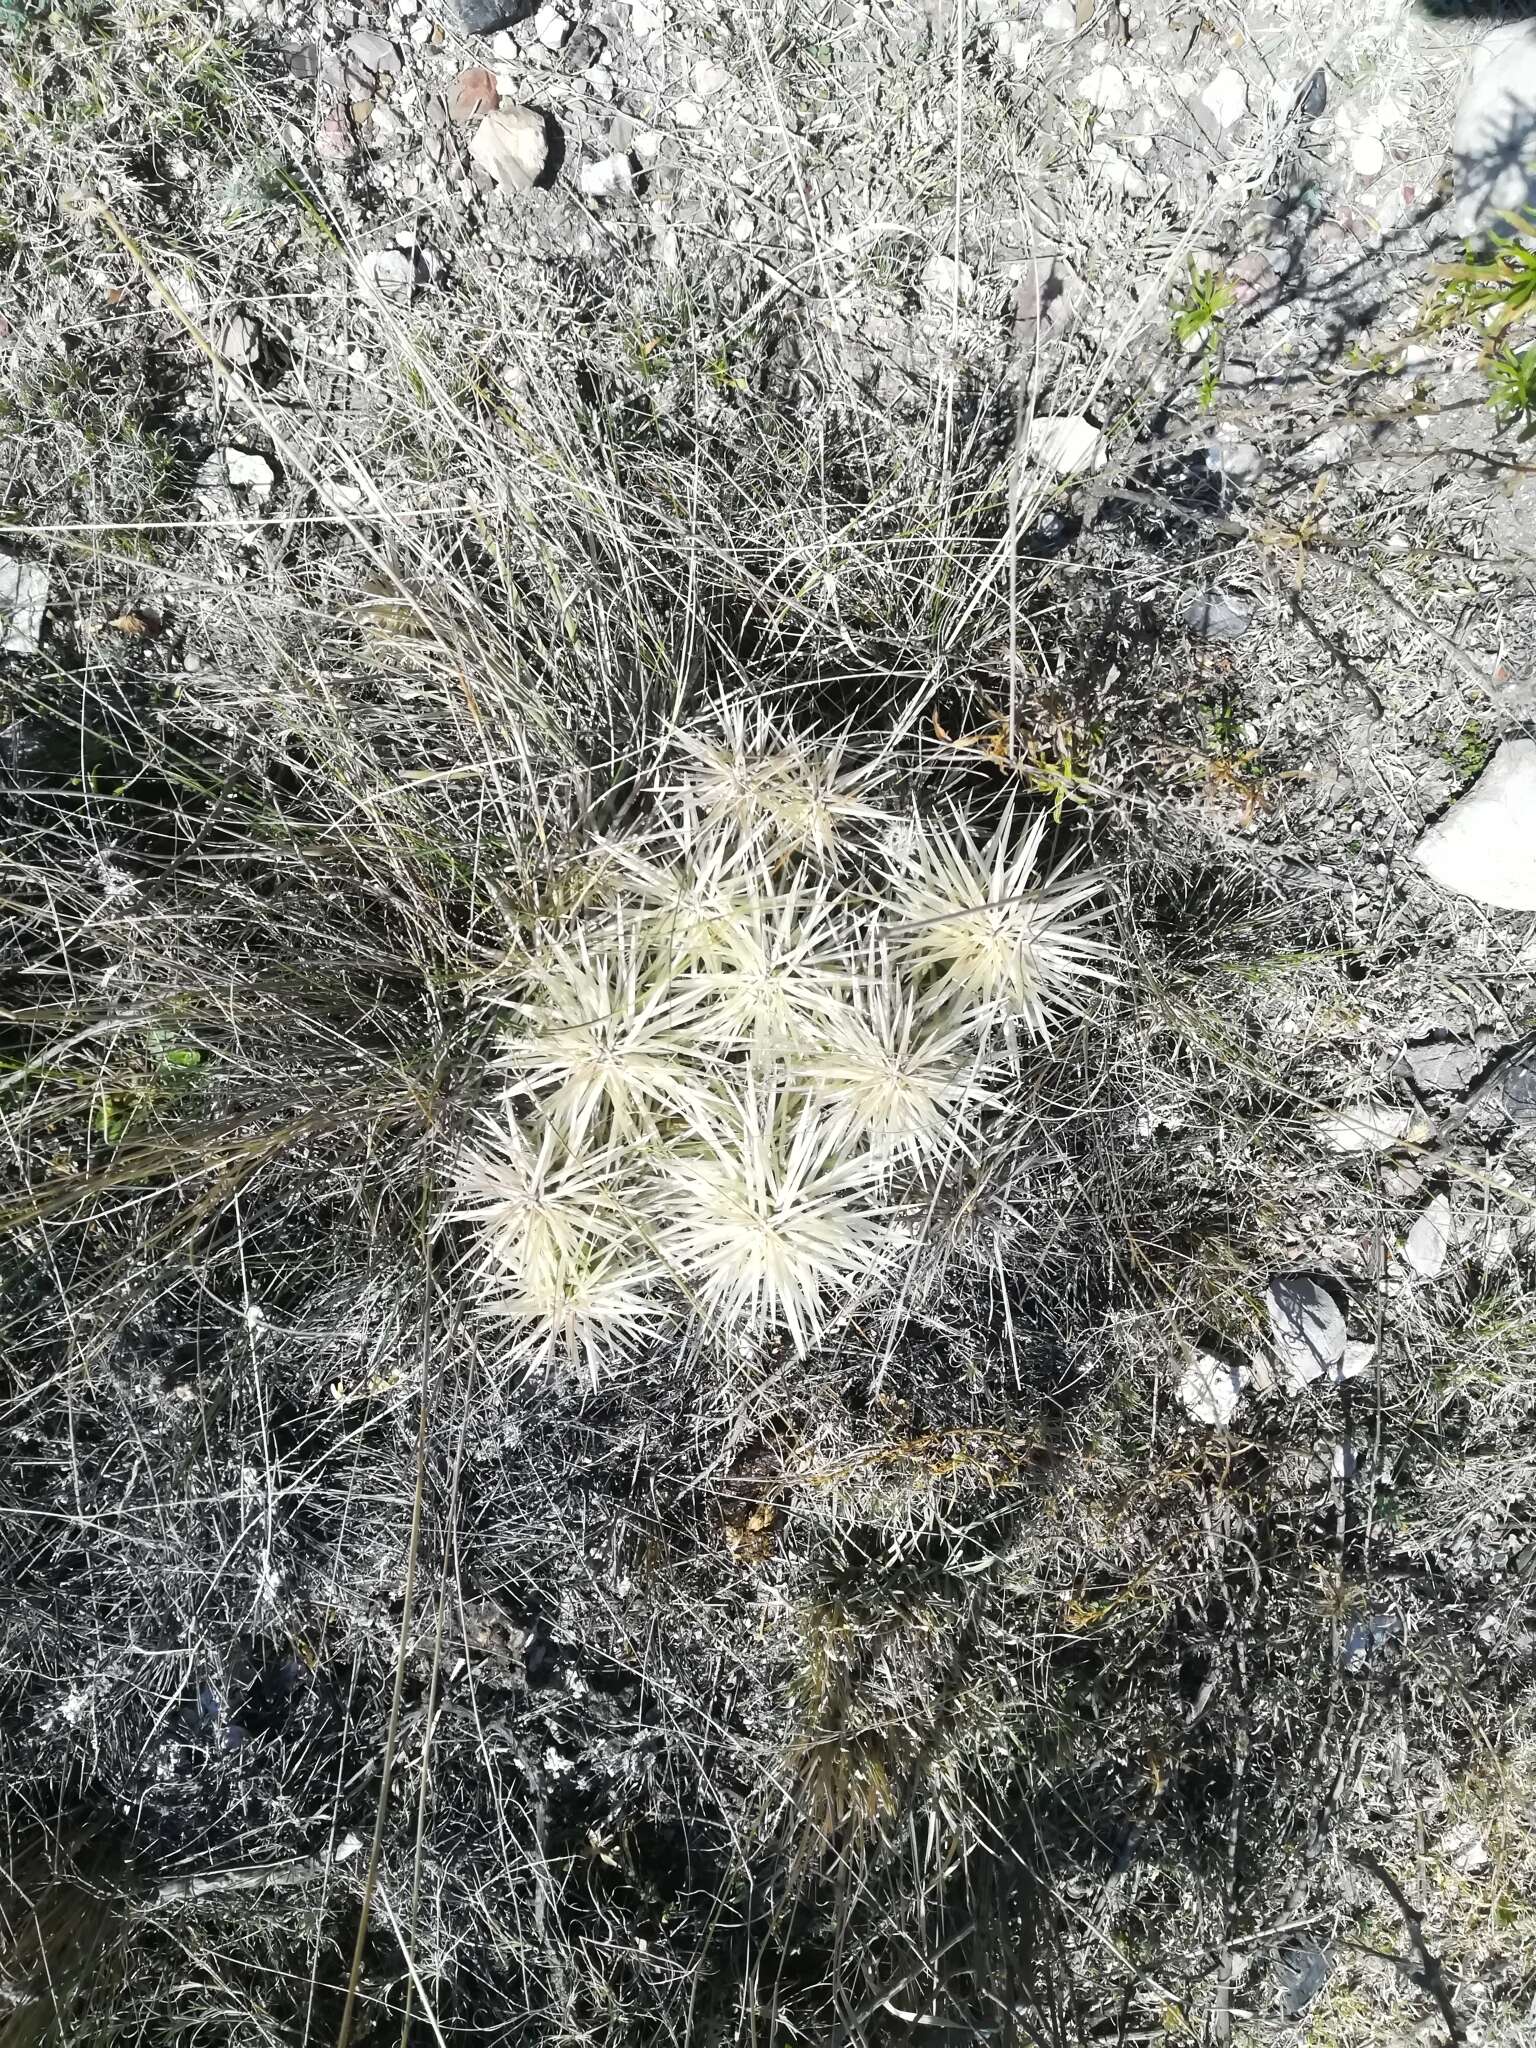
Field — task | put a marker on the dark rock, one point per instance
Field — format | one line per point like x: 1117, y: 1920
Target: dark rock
x: 1510, y: 1089
x: 583, y: 49
x: 1045, y: 293
x: 1366, y: 1639
x: 1302, y: 1972
x: 485, y: 17
x: 303, y: 60
x: 1313, y: 97
x: 1051, y: 532
x: 1216, y: 615
x: 1520, y: 1089
x: 1443, y: 1066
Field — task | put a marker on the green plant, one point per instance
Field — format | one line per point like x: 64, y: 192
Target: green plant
x: 1469, y: 753
x: 1512, y: 388
x: 1199, y: 314
x: 720, y: 373
x: 1494, y: 291
x: 1058, y: 772
x: 1223, y: 722
x: 171, y: 1071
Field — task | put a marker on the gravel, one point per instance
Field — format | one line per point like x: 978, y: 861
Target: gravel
x: 1375, y: 1126
x: 1490, y: 141
x: 1067, y: 444
x: 1211, y: 1389
x: 1444, y: 1066
x: 240, y: 340
x: 1216, y: 615
x: 486, y: 17
x: 1225, y: 99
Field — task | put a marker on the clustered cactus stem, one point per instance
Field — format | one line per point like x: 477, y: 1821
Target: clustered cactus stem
x: 731, y: 1079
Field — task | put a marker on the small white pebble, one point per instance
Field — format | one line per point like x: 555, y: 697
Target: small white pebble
x: 610, y: 178
x: 1225, y: 99
x: 1368, y: 155
x: 1104, y: 88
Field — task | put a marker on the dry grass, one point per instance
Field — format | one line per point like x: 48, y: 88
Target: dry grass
x: 947, y: 1673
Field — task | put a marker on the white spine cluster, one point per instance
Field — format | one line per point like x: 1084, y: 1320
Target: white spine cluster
x: 736, y: 1072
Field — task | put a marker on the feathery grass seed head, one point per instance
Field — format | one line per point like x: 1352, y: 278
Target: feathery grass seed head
x: 731, y: 776
x: 813, y: 801
x: 686, y: 889
x: 755, y: 1036
x: 597, y: 1302
x: 758, y: 779
x: 778, y: 978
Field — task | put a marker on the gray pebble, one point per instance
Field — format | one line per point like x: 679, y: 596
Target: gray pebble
x: 1302, y: 1972
x: 485, y: 17
x: 1519, y: 1088
x: 1306, y: 1327
x: 1312, y: 100
x: 1233, y: 461
x: 1216, y: 615
x: 1443, y: 1066
x: 1425, y: 1248
x: 367, y: 60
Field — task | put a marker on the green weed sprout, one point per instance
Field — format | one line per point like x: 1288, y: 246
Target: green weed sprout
x: 1512, y: 388
x: 1199, y: 314
x: 1494, y: 291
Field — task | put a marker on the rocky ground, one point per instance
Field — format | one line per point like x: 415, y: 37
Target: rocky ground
x: 411, y: 414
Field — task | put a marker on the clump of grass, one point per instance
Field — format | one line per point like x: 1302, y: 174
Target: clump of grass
x: 1512, y: 388
x: 62, y: 1950
x: 850, y: 1756
x: 735, y: 1070
x: 1494, y: 291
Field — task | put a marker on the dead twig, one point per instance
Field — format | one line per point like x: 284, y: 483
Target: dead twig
x: 1429, y: 1976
